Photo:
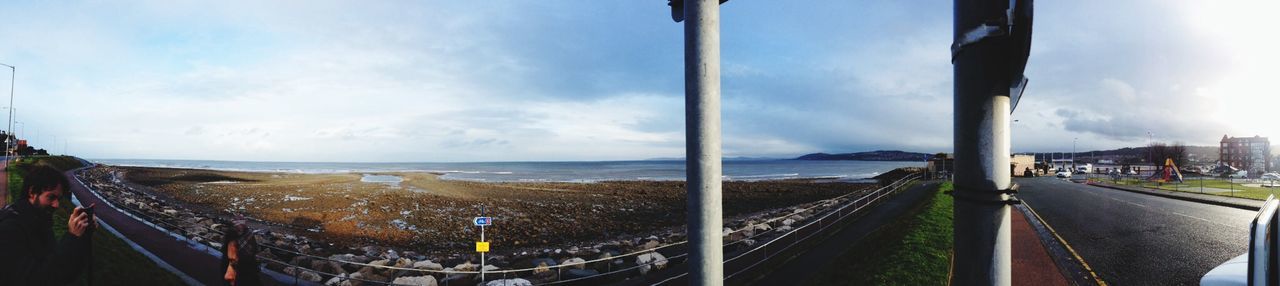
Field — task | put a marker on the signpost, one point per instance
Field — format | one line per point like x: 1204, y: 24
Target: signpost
x: 482, y: 246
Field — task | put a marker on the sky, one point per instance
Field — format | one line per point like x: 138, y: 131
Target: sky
x: 448, y: 81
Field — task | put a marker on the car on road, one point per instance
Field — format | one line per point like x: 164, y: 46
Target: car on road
x: 1064, y: 174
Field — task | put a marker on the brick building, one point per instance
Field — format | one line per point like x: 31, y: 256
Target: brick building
x: 1246, y: 153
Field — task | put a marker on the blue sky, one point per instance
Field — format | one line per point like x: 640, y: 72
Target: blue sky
x: 561, y: 80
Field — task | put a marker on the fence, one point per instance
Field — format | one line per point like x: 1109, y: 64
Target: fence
x: 745, y: 256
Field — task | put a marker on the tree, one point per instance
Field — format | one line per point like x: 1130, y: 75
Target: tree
x: 1160, y: 151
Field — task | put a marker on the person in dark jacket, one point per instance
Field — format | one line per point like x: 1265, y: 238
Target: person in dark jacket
x: 239, y: 265
x: 28, y: 253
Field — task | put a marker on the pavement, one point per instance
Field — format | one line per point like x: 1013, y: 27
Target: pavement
x: 1035, y: 260
x: 1136, y: 238
x: 4, y: 182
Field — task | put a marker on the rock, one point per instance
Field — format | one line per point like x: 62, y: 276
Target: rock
x: 371, y: 251
x: 547, y: 261
x: 336, y: 280
x: 310, y: 276
x: 382, y: 262
x: 403, y: 263
x: 427, y: 280
x: 788, y: 222
x: 542, y: 267
x: 651, y: 260
x: 783, y: 229
x: 575, y: 262
x: 509, y: 282
x: 650, y: 245
x: 428, y: 265
x: 489, y: 267
x: 465, y: 266
x: 727, y: 232
x: 579, y: 273
x: 749, y: 242
x: 573, y: 250
x: 289, y: 270
x: 391, y: 255
x: 300, y: 261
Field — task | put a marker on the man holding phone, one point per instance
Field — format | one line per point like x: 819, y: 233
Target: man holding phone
x: 30, y: 255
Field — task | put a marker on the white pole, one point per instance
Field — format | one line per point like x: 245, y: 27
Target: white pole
x: 702, y: 140
x: 482, y: 255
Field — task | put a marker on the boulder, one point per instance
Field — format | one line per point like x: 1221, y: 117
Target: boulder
x: 382, y: 262
x: 788, y: 222
x: 509, y: 282
x: 575, y: 262
x: 547, y: 261
x: 310, y: 276
x: 783, y: 229
x: 465, y: 266
x: 651, y: 244
x: 403, y: 263
x: 579, y: 273
x: 426, y: 280
x: 336, y: 280
x: 428, y: 265
x: 651, y: 260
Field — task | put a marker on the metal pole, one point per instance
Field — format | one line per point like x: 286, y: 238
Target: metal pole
x: 13, y: 77
x: 702, y: 140
x: 482, y: 255
x: 982, y: 69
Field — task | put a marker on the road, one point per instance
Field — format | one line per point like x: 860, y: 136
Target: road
x: 1137, y: 239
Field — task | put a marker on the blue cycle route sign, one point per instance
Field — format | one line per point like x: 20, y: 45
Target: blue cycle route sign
x: 483, y: 221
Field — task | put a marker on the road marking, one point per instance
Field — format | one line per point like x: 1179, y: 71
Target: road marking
x: 1066, y: 245
x: 1209, y: 221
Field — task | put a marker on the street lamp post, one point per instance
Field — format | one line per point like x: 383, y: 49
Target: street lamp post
x: 13, y: 76
x: 1073, y: 153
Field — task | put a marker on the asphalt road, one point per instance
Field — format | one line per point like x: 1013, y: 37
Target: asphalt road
x: 1136, y: 239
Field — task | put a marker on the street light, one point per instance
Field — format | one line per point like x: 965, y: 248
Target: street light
x: 13, y: 76
x: 1073, y: 153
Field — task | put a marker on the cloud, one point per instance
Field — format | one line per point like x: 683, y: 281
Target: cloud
x: 444, y: 81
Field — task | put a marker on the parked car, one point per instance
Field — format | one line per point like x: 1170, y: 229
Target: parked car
x: 1064, y: 174
x: 1270, y: 176
x: 1238, y: 174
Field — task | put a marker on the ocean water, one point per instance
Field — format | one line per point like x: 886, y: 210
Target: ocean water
x: 740, y: 170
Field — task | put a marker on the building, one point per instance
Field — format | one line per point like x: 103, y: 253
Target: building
x: 941, y: 165
x: 1246, y: 153
x: 1020, y: 164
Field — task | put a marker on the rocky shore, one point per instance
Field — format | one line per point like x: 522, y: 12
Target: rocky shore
x: 335, y: 228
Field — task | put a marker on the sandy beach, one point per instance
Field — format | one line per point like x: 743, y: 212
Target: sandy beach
x: 426, y: 213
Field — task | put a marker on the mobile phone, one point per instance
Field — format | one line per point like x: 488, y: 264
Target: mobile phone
x: 89, y: 210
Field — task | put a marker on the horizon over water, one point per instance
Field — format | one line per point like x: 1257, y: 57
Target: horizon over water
x: 580, y: 171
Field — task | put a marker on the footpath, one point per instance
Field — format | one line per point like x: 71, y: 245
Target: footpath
x: 193, y: 264
x: 1038, y: 257
x: 1240, y: 203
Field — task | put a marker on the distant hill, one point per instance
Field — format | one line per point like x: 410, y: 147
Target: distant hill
x: 879, y: 155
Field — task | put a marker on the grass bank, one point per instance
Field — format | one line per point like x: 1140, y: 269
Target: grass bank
x: 914, y: 250
x: 114, y: 261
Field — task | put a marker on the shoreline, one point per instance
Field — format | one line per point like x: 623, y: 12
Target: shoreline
x: 636, y: 215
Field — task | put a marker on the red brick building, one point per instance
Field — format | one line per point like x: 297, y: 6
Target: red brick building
x: 1246, y: 153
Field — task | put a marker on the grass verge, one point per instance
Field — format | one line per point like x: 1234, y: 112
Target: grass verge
x: 114, y: 261
x: 913, y: 250
x: 1239, y: 188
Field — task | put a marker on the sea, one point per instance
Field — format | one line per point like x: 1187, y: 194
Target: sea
x: 574, y: 171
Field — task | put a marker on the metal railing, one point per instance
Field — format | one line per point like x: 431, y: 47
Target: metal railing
x: 672, y: 252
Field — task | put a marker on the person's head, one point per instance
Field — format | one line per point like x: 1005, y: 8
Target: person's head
x: 238, y: 262
x: 44, y: 187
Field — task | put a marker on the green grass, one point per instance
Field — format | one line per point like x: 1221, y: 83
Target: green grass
x: 915, y: 250
x: 114, y: 262
x: 1192, y: 185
